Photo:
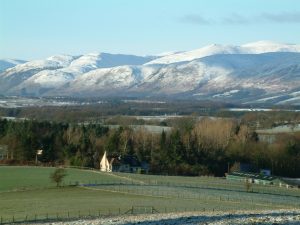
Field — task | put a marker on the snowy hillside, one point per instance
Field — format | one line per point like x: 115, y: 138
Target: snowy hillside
x: 57, y: 70
x: 196, y: 54
x: 260, y: 72
x: 8, y: 63
x: 251, y: 48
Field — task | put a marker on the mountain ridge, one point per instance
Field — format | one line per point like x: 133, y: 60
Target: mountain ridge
x: 228, y: 73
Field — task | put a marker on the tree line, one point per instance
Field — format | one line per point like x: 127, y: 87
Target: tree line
x: 193, y: 147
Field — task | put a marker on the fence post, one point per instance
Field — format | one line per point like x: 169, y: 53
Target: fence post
x: 13, y: 219
x: 99, y: 213
x: 68, y: 215
x: 119, y: 211
x: 47, y: 216
x: 79, y: 214
x: 1, y: 220
x: 35, y: 217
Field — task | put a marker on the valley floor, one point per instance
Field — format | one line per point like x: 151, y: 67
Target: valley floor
x: 208, y: 218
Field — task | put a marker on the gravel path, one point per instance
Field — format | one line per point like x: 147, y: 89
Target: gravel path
x: 274, y: 217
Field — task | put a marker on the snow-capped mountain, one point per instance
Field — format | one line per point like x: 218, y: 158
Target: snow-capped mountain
x: 8, y: 63
x: 57, y: 70
x: 214, y: 49
x: 268, y: 46
x: 260, y: 72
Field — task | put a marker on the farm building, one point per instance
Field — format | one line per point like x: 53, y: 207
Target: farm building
x: 295, y: 182
x: 127, y: 164
x: 255, y: 178
x: 243, y: 167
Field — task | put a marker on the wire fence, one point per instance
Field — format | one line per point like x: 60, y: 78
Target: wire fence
x: 200, y: 194
x: 204, y: 190
x: 209, y: 200
x: 97, y: 214
x: 259, y: 189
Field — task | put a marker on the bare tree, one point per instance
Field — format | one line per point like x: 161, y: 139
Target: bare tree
x: 214, y: 133
x: 58, y: 175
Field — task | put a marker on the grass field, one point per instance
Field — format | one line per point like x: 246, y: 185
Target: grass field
x: 26, y: 192
x: 26, y: 178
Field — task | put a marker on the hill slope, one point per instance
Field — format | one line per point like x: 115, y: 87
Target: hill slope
x: 261, y: 72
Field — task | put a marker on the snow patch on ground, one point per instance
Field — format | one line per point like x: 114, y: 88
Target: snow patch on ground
x: 189, y: 218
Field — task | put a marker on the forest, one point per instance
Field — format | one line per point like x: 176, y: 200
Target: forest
x: 193, y: 147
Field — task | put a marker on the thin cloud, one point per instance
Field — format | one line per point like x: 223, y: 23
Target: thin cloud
x: 283, y: 17
x: 194, y: 19
x: 235, y: 19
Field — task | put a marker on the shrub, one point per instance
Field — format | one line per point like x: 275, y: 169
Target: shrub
x: 58, y: 175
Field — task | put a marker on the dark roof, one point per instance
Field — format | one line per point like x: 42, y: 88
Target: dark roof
x: 256, y: 176
x: 291, y: 181
x: 131, y: 160
x: 128, y: 159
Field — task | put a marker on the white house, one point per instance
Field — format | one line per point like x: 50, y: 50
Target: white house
x: 105, y: 166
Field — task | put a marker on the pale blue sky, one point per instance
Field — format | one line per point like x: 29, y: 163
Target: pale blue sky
x: 31, y: 29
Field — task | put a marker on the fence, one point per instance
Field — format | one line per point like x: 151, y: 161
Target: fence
x: 96, y: 214
x: 205, y: 190
x: 203, y: 195
x: 259, y: 189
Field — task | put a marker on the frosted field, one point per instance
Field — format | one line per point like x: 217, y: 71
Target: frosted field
x: 210, y: 218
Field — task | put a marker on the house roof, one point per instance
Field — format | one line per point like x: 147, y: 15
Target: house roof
x: 254, y: 176
x: 128, y: 159
x: 290, y: 181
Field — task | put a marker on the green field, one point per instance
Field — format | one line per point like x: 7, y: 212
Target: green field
x: 26, y: 193
x: 26, y: 178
